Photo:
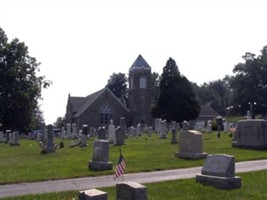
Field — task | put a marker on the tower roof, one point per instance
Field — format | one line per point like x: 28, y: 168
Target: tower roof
x: 140, y: 63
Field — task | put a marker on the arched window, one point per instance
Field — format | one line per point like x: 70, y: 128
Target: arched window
x: 142, y: 82
x: 105, y: 114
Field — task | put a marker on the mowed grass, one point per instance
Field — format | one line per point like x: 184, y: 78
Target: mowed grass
x: 25, y: 163
x: 253, y: 187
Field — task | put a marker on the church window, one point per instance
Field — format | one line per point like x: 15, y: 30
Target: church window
x: 105, y: 114
x: 142, y: 82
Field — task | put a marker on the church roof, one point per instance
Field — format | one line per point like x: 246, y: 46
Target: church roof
x: 77, y: 103
x: 207, y: 111
x: 140, y: 63
x: 90, y: 99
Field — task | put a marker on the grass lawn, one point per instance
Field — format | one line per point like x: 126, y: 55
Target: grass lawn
x: 25, y: 163
x: 253, y: 187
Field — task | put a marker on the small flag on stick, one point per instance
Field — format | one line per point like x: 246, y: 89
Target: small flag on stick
x: 120, y: 167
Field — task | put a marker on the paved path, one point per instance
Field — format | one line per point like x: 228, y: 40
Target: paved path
x: 104, y: 181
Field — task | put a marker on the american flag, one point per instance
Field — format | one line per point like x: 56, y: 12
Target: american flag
x: 120, y: 167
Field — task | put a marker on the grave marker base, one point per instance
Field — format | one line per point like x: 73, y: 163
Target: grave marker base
x: 219, y: 182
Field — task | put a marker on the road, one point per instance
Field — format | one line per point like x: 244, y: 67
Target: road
x: 105, y: 181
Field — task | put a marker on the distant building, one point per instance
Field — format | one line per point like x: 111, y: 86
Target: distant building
x: 99, y: 108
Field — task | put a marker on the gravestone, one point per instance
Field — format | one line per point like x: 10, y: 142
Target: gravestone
x: 251, y: 133
x: 68, y: 127
x: 74, y: 130
x: 1, y: 136
x: 132, y: 131
x: 84, y: 136
x: 190, y: 145
x: 138, y: 130
x: 63, y: 133
x: 48, y: 146
x: 111, y: 132
x: 119, y: 136
x: 92, y: 131
x: 93, y: 194
x: 174, y: 138
x: 131, y: 191
x: 15, y: 139
x: 123, y: 126
x: 100, y: 160
x: 101, y: 133
x: 163, y: 129
x: 219, y: 171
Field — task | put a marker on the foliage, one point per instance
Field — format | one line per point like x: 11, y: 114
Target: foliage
x: 59, y: 122
x: 155, y: 91
x: 117, y: 84
x: 20, y: 86
x: 249, y: 84
x: 215, y: 93
x: 177, y: 100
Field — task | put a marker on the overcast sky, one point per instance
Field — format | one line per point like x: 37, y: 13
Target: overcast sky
x: 80, y: 43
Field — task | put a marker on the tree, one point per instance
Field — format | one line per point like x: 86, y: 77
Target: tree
x: 155, y: 91
x: 250, y: 84
x: 118, y: 85
x: 20, y: 87
x: 177, y: 101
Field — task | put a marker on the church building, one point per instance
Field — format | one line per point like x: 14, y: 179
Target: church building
x: 99, y: 108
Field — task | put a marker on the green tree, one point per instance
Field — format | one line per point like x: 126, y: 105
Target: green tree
x: 118, y: 85
x: 177, y: 101
x: 250, y: 84
x: 20, y: 87
x: 155, y: 91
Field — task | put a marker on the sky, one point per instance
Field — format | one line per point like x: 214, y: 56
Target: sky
x: 81, y: 43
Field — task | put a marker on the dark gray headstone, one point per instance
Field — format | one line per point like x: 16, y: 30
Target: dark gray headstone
x: 219, y: 171
x: 251, y: 133
x: 101, y: 133
x: 131, y: 191
x: 119, y: 137
x: 100, y: 160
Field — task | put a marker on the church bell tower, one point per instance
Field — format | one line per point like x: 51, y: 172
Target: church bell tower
x: 140, y: 92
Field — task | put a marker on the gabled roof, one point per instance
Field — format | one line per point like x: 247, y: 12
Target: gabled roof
x: 140, y: 63
x: 207, y: 111
x: 90, y: 99
x: 77, y: 103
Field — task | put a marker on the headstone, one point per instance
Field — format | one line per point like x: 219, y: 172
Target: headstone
x: 1, y: 136
x: 251, y: 133
x: 185, y: 125
x: 93, y: 194
x: 119, y: 136
x: 15, y: 139
x: 100, y: 160
x: 84, y: 136
x: 92, y: 131
x: 111, y: 132
x: 123, y: 126
x: 209, y: 130
x: 174, y: 138
x: 132, y: 131
x: 68, y: 127
x: 219, y: 171
x: 163, y: 129
x: 101, y: 133
x: 131, y: 191
x: 190, y: 145
x: 49, y: 146
x: 63, y: 133
x: 138, y: 130
x: 74, y: 130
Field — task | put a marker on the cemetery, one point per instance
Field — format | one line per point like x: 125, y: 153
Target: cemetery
x: 96, y: 154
